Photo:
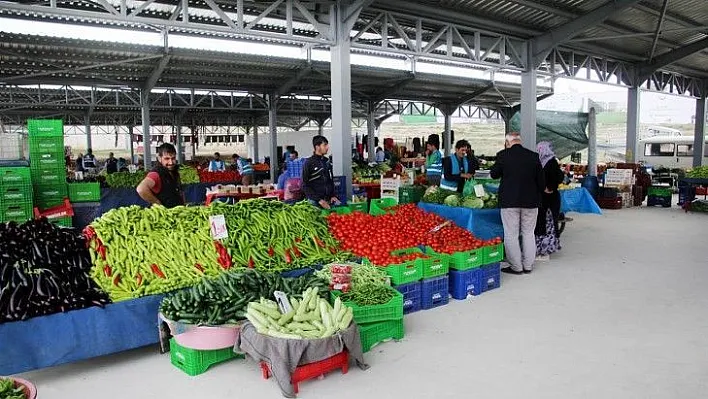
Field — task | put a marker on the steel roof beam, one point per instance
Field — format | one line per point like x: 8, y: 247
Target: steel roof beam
x: 645, y: 70
x: 658, y: 29
x: 543, y: 44
x: 156, y: 73
x: 286, y: 87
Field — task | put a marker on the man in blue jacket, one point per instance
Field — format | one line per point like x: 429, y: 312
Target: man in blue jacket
x: 456, y: 168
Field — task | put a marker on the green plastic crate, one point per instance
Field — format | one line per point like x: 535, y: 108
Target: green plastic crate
x: 435, y: 265
x: 362, y: 207
x: 493, y: 253
x: 410, y: 194
x: 15, y: 175
x: 406, y: 272
x: 463, y: 260
x: 40, y: 145
x: 45, y: 128
x: 374, y: 333
x: 48, y: 175
x: 42, y: 191
x: 377, y: 205
x: 84, y: 192
x: 195, y: 362
x: 46, y: 203
x: 53, y: 160
x: 339, y: 210
x: 17, y: 212
x: 660, y: 191
x: 393, y: 310
x: 14, y: 193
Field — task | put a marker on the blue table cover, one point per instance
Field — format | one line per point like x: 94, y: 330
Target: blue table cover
x: 80, y: 334
x: 578, y: 200
x: 483, y: 223
x: 112, y: 198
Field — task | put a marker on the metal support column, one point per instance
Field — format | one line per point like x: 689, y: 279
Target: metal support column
x: 592, y: 142
x: 633, y: 94
x: 447, y: 110
x: 371, y: 127
x: 528, y: 102
x: 255, y: 141
x: 320, y: 128
x: 273, y: 125
x: 87, y: 124
x: 699, y: 136
x: 147, y: 144
x: 130, y: 143
x: 341, y: 81
x: 178, y: 141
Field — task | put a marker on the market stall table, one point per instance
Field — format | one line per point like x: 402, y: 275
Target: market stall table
x: 487, y: 224
x: 77, y: 335
x: 112, y: 198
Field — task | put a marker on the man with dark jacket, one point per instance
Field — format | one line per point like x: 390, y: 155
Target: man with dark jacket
x: 317, y: 178
x: 522, y: 183
x: 162, y: 185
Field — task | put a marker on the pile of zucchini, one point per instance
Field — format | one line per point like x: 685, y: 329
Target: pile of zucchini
x: 311, y: 317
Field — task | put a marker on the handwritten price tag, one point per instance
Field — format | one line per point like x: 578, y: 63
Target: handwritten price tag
x: 218, y: 227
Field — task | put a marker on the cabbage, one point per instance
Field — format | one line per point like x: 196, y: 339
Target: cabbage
x: 432, y: 190
x: 473, y: 202
x: 452, y: 200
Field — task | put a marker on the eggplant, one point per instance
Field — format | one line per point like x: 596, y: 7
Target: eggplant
x: 44, y: 269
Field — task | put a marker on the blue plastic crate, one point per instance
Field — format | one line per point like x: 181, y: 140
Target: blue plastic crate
x: 340, y: 188
x: 687, y: 193
x: 411, y: 296
x: 463, y: 283
x: 491, y: 276
x: 653, y: 200
x: 434, y: 292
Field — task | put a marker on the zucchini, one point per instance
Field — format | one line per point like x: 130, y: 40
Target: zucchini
x: 347, y: 319
x: 286, y: 318
x: 273, y: 313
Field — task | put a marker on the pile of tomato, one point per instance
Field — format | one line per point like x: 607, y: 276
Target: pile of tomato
x: 407, y: 226
x: 227, y: 176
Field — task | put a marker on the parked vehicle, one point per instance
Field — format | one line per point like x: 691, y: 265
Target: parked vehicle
x: 669, y: 152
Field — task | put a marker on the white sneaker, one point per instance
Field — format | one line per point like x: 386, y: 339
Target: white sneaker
x: 543, y: 258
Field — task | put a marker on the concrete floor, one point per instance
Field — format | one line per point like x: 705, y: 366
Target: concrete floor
x: 622, y: 312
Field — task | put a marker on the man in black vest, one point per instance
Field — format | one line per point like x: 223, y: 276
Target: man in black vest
x: 162, y: 185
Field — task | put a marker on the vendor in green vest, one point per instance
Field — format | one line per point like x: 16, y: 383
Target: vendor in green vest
x: 457, y: 168
x: 433, y: 161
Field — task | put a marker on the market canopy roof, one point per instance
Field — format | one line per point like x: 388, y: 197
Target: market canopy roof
x: 658, y: 44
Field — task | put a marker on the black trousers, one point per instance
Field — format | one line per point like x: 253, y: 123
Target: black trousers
x: 550, y: 202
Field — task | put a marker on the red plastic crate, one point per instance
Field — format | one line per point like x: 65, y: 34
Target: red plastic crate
x: 59, y: 211
x: 313, y: 370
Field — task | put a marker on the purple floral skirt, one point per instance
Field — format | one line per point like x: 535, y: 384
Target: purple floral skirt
x: 549, y: 243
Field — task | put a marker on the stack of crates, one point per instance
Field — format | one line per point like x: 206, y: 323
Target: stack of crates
x: 15, y: 194
x: 423, y: 281
x: 378, y: 323
x: 46, y: 143
x: 474, y: 272
x: 658, y: 195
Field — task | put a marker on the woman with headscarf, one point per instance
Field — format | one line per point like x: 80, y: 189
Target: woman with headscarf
x: 547, y: 241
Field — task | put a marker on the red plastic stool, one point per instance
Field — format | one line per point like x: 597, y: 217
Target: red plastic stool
x: 314, y: 370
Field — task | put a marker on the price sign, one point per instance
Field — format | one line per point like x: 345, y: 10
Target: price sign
x: 218, y: 227
x: 479, y: 190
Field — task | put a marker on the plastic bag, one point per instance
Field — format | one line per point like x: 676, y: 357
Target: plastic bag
x: 469, y: 187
